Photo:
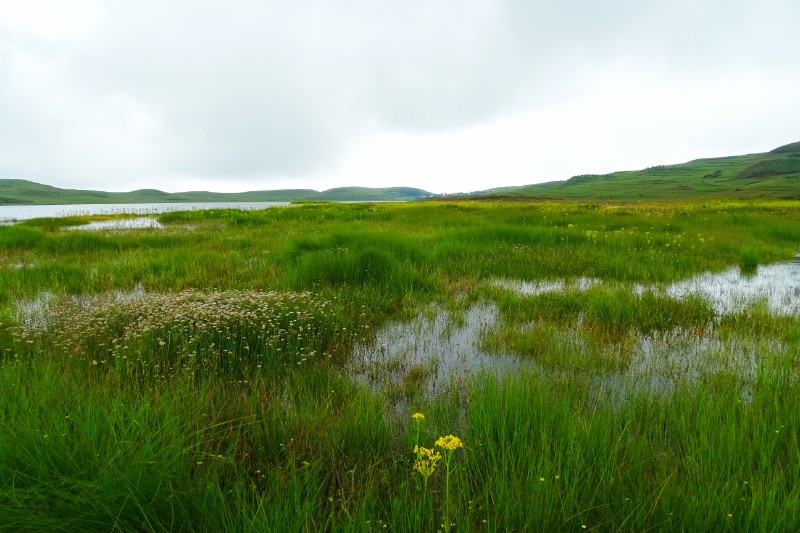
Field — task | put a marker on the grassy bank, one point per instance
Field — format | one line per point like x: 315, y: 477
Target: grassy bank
x: 200, y: 377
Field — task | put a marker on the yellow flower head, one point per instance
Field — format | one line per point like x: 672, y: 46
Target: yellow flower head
x: 427, y: 453
x: 425, y: 468
x: 426, y: 461
x: 418, y: 416
x: 450, y: 442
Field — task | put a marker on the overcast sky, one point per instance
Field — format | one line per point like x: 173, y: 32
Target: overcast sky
x: 447, y: 96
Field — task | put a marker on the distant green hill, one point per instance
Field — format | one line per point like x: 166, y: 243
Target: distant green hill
x: 775, y: 174
x: 23, y: 192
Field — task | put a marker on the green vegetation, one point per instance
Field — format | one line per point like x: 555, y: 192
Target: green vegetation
x: 23, y: 192
x: 774, y: 174
x: 205, y: 376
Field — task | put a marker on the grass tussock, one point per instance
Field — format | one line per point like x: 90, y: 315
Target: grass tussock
x: 223, y: 333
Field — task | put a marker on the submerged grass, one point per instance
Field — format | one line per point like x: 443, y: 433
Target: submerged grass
x: 197, y: 378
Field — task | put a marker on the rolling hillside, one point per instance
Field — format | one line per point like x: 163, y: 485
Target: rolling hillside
x: 775, y: 174
x: 23, y: 192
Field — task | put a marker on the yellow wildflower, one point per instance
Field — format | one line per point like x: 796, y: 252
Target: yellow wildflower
x: 427, y: 454
x: 426, y: 461
x: 418, y: 416
x: 449, y: 442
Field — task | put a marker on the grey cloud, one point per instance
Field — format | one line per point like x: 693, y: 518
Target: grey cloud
x: 251, y: 89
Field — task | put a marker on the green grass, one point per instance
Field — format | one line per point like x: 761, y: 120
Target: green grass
x: 200, y: 377
x: 774, y: 174
x: 749, y: 262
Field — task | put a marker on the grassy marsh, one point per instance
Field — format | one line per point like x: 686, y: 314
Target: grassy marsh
x: 200, y: 376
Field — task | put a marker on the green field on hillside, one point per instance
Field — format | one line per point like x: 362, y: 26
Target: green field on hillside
x: 774, y: 174
x: 314, y: 367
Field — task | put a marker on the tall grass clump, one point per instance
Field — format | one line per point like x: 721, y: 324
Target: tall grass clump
x: 391, y: 265
x: 704, y: 458
x: 55, y: 223
x: 19, y: 237
x: 748, y: 262
x: 607, y: 308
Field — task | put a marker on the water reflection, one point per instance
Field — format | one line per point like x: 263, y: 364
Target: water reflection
x: 431, y: 352
x: 14, y: 213
x: 434, y: 348
x: 728, y: 291
x: 664, y: 361
x: 120, y: 224
x: 534, y: 288
x: 35, y: 313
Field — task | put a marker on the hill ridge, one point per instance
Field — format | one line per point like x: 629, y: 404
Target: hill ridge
x: 14, y: 191
x: 773, y: 174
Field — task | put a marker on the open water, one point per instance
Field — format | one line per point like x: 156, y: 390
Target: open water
x: 14, y: 213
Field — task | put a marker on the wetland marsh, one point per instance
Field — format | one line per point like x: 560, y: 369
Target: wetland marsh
x: 620, y: 366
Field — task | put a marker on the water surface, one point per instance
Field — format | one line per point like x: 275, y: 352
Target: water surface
x: 729, y: 291
x: 120, y: 224
x: 441, y: 349
x: 434, y: 344
x: 13, y: 213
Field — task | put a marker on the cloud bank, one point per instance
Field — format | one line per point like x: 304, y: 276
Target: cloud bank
x: 447, y: 96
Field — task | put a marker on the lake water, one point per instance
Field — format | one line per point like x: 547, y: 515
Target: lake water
x: 13, y: 213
